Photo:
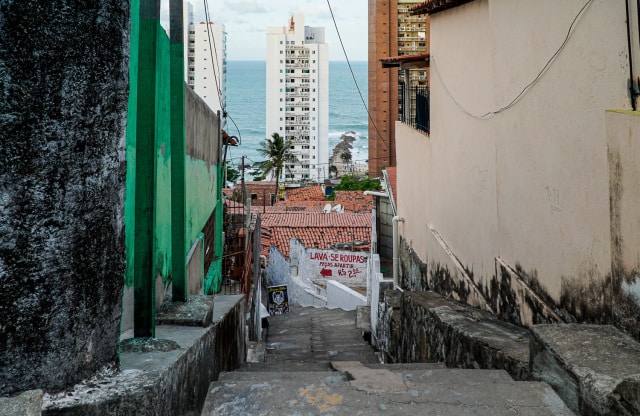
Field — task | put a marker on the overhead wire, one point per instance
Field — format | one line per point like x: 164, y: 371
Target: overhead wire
x: 344, y: 51
x: 213, y: 50
x: 214, y: 62
x: 527, y: 87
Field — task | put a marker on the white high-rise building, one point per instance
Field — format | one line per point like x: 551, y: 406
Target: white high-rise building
x: 205, y: 68
x: 298, y: 96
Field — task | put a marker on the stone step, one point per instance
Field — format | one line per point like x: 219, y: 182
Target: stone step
x: 444, y: 392
x: 438, y: 329
x: 326, y: 377
x: 594, y: 368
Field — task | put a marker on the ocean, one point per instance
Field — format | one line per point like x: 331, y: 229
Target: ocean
x: 246, y: 106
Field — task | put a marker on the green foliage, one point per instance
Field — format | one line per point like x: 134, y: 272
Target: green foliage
x: 233, y: 174
x: 345, y: 157
x: 352, y: 183
x: 277, y: 153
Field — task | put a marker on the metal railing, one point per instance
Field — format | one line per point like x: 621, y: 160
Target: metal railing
x: 413, y: 106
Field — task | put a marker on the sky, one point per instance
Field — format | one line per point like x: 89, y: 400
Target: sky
x: 246, y: 22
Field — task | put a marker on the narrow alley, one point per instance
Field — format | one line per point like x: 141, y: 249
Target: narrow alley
x: 317, y: 363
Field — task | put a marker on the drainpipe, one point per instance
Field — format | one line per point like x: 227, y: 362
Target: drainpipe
x: 374, y: 193
x: 396, y: 259
x: 633, y: 92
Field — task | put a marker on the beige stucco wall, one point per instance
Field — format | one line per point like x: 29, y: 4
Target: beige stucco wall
x: 528, y: 185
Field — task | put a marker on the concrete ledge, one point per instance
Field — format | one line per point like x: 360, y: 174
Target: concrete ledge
x: 197, y: 311
x: 595, y: 369
x: 163, y: 382
x: 437, y: 329
x: 28, y: 403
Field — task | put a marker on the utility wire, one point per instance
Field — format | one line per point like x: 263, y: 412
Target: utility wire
x: 354, y: 77
x: 214, y: 50
x: 212, y: 47
x: 535, y: 80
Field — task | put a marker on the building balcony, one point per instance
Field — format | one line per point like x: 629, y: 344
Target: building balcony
x: 414, y: 106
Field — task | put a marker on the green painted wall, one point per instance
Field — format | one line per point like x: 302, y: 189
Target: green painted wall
x: 203, y: 193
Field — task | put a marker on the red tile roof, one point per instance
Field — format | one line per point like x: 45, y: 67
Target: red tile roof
x: 314, y: 230
x: 309, y: 193
x: 435, y: 6
x: 312, y: 219
x: 355, y: 201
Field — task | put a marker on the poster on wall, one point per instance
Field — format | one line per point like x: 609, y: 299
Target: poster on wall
x: 278, y: 300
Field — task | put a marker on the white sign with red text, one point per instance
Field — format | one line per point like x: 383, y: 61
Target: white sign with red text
x: 343, y: 265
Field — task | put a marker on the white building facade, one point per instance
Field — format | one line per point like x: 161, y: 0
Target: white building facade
x: 297, y: 96
x: 205, y: 59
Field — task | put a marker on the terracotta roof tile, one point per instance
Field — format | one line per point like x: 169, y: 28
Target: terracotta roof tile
x: 314, y: 230
x: 309, y: 193
x: 355, y: 201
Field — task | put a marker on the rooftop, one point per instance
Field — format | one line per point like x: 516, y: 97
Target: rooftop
x: 435, y: 6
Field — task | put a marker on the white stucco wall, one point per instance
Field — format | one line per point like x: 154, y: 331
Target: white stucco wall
x: 343, y: 297
x: 530, y: 184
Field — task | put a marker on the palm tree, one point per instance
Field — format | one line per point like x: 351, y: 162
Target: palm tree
x: 277, y: 153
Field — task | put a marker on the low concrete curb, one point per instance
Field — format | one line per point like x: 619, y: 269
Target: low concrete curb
x: 595, y: 369
x: 437, y: 329
x: 159, y: 382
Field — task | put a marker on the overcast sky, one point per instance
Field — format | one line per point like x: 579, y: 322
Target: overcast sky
x: 246, y: 22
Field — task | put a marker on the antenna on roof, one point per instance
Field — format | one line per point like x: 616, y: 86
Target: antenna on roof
x: 338, y: 208
x: 327, y: 209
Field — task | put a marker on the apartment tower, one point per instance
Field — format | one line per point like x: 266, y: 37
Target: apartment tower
x: 297, y: 96
x: 393, y: 31
x: 206, y: 59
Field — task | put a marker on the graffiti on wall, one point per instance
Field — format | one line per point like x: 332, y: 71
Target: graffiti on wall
x: 339, y: 265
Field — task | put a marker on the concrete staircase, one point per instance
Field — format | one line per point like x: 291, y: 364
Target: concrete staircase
x: 317, y: 363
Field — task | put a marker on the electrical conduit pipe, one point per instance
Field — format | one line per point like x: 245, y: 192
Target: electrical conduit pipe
x: 396, y: 249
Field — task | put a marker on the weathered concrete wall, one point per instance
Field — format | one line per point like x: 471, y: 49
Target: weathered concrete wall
x: 277, y: 271
x: 195, y: 272
x: 495, y: 207
x: 164, y: 382
x: 63, y: 89
x: 202, y: 190
x: 436, y: 329
x: 623, y: 141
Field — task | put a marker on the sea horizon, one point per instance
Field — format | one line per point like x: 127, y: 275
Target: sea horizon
x: 246, y: 106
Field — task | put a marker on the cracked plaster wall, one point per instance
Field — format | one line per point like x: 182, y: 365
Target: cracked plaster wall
x: 63, y: 102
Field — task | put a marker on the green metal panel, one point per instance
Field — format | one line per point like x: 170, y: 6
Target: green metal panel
x: 144, y: 322
x: 169, y: 195
x: 178, y: 154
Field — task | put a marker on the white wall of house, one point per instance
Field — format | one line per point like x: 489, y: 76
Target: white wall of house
x: 529, y: 185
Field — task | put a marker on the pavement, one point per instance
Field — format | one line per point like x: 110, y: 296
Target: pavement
x: 318, y: 363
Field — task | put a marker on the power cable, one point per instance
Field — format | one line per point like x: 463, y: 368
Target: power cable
x: 212, y: 47
x: 354, y: 77
x: 535, y: 80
